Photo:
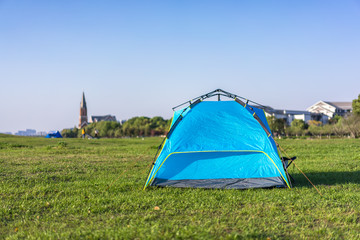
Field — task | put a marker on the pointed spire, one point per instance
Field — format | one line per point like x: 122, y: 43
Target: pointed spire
x: 83, y: 121
x: 83, y: 102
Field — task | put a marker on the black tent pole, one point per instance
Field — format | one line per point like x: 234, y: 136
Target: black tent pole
x: 217, y: 92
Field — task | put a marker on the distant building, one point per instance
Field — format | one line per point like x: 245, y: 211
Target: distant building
x: 10, y: 133
x: 83, y: 120
x: 291, y: 115
x: 27, y: 132
x: 288, y: 115
x: 321, y: 111
x: 331, y: 109
x: 103, y: 118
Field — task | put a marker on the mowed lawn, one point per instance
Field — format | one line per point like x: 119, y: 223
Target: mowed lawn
x: 57, y: 189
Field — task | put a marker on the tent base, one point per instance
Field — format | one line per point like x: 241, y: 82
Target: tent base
x: 225, y: 183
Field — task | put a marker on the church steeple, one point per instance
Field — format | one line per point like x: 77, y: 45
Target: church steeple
x: 83, y: 121
x: 83, y: 102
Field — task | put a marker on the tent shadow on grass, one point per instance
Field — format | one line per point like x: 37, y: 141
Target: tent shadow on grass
x: 326, y: 178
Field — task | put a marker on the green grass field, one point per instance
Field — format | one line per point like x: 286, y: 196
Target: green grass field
x: 55, y: 189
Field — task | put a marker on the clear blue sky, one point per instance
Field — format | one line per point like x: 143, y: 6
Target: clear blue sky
x: 140, y: 58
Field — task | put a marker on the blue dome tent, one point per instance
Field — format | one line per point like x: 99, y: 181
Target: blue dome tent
x: 219, y: 144
x: 53, y: 134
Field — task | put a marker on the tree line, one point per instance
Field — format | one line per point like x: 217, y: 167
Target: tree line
x: 340, y: 127
x: 134, y: 127
x: 348, y: 126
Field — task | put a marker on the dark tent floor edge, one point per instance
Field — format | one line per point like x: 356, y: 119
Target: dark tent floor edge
x: 224, y: 183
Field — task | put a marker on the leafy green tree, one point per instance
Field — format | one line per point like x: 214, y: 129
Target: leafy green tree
x: 335, y: 119
x: 69, y: 133
x: 118, y: 133
x: 339, y: 128
x: 315, y: 130
x: 314, y: 122
x: 352, y: 125
x: 356, y: 106
x: 297, y: 127
x: 298, y: 123
x: 277, y: 126
x: 327, y: 130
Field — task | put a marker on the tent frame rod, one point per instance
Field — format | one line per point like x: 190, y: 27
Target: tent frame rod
x: 218, y: 93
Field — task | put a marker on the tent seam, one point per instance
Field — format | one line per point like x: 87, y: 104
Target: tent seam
x: 162, y: 148
x: 268, y: 142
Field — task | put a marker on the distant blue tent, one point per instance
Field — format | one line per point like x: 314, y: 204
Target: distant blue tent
x: 53, y: 134
x: 219, y: 144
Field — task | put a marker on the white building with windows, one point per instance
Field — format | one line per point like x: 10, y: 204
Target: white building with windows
x: 331, y: 109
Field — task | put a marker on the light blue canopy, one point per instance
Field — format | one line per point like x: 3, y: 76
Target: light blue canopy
x: 218, y: 145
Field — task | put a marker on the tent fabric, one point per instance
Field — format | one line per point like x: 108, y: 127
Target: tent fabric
x: 55, y: 134
x: 218, y: 145
x: 261, y: 114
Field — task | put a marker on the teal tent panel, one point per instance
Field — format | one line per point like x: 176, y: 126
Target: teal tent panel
x: 217, y: 165
x: 261, y: 114
x: 179, y: 113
